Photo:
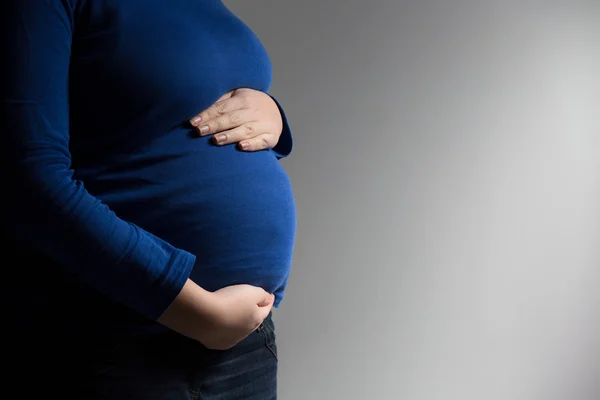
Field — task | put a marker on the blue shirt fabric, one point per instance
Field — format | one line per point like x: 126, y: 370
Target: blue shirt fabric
x: 111, y: 201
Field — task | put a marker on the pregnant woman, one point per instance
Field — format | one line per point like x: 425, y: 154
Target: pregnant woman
x: 142, y: 253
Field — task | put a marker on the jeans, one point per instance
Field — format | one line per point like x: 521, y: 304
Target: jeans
x: 164, y: 366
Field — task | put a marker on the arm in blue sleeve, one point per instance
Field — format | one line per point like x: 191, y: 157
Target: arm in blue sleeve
x: 284, y: 146
x: 42, y: 203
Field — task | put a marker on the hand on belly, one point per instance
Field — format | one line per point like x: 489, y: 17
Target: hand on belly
x: 248, y: 117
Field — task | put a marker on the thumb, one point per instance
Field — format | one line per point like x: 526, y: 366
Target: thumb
x: 265, y: 310
x: 267, y: 300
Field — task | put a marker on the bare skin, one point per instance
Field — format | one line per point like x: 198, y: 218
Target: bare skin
x: 248, y: 117
x: 219, y: 320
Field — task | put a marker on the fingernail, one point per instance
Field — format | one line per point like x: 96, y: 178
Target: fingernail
x: 196, y: 120
x: 220, y: 137
x: 245, y: 145
x: 204, y: 129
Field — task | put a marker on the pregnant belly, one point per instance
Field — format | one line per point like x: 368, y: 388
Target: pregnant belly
x: 233, y: 210
x: 241, y: 229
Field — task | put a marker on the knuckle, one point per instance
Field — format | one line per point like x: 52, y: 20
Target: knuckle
x: 221, y: 107
x: 265, y: 142
x: 234, y: 118
x: 249, y: 129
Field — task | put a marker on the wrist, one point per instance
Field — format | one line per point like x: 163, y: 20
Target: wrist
x: 191, y: 311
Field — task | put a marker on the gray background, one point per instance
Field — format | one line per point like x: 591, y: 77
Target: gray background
x: 447, y: 176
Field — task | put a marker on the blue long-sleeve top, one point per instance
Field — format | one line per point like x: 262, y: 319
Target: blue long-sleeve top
x: 110, y: 199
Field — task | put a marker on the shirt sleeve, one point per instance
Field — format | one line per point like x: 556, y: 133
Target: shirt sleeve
x: 285, y: 145
x: 42, y: 203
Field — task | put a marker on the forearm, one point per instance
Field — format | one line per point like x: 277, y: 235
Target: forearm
x: 56, y: 215
x: 189, y: 314
x: 42, y: 204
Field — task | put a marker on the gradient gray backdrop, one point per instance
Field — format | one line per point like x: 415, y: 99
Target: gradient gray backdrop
x: 447, y: 177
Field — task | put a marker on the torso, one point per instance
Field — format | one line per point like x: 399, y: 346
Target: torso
x: 139, y: 71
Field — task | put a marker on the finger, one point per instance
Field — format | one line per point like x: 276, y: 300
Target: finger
x: 260, y: 142
x: 221, y: 107
x: 267, y: 300
x: 236, y: 135
x: 263, y: 312
x: 231, y: 120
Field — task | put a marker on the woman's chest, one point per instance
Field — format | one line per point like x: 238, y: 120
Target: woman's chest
x: 163, y: 54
